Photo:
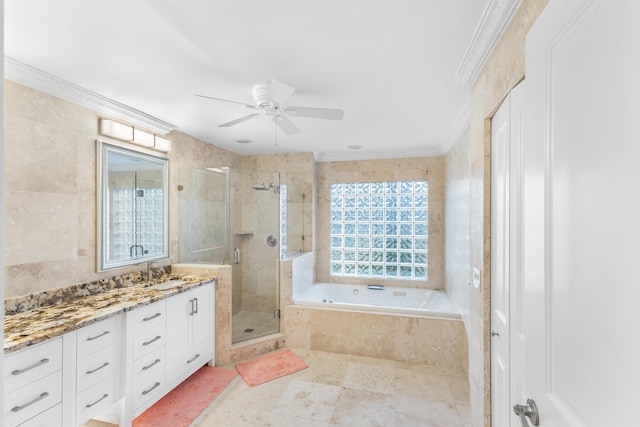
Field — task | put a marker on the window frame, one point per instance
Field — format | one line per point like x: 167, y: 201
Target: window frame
x: 379, y: 230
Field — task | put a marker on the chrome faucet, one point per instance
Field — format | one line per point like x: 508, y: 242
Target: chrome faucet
x: 151, y: 269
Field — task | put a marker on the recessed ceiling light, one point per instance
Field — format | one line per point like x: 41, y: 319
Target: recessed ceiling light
x: 354, y: 147
x: 243, y: 141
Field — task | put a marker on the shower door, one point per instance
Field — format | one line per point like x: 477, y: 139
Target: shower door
x: 255, y: 249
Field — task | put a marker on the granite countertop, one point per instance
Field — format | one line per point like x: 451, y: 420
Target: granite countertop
x: 30, y: 327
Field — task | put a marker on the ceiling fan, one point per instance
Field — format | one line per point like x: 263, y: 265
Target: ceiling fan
x: 271, y: 99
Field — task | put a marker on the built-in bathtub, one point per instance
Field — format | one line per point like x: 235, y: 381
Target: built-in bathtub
x: 413, y: 325
x: 379, y: 299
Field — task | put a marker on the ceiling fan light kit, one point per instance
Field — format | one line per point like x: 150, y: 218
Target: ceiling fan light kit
x: 271, y: 99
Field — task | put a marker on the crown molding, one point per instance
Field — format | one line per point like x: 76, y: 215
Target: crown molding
x: 34, y: 78
x: 495, y: 18
x: 345, y: 156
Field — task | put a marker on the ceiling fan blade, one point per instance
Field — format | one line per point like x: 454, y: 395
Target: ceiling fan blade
x: 253, y: 107
x: 279, y: 92
x: 240, y: 120
x: 315, y: 113
x: 286, y: 124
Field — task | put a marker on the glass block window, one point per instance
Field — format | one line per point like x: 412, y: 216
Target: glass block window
x: 379, y: 229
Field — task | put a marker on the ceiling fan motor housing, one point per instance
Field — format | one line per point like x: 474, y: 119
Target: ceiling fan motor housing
x: 261, y: 95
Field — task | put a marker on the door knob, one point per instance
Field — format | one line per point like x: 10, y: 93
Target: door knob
x: 529, y: 410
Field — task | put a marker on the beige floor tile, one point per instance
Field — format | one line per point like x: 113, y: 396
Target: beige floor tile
x: 418, y: 412
x: 364, y: 408
x: 344, y: 390
x: 376, y: 378
x: 308, y: 400
x: 422, y: 384
x: 323, y: 370
x: 459, y: 390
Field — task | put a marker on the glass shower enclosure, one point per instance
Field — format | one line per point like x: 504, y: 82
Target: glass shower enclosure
x: 244, y: 219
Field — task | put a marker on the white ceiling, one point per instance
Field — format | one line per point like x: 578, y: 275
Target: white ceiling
x: 390, y: 65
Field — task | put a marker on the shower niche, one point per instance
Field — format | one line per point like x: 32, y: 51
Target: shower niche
x: 250, y: 220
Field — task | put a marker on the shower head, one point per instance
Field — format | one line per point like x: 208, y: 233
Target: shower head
x: 263, y: 187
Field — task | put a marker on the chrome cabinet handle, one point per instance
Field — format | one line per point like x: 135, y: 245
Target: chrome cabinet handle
x: 495, y: 334
x: 155, y: 362
x: 193, y: 358
x: 146, y: 319
x: 89, y: 405
x: 105, y: 364
x: 28, y: 368
x: 145, y: 392
x: 196, y: 300
x: 191, y: 302
x: 37, y: 399
x: 97, y: 336
x: 152, y: 341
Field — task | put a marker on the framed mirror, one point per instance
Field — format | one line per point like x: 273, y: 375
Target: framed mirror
x: 133, y: 207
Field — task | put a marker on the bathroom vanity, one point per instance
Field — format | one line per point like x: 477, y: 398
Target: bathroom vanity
x: 109, y: 356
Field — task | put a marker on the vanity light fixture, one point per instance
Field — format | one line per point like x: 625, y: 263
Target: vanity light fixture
x: 143, y: 138
x: 134, y: 135
x: 116, y: 130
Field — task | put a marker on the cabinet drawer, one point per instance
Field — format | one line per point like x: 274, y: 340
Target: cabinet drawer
x: 96, y: 399
x: 52, y: 417
x: 96, y: 367
x: 148, y: 316
x: 146, y: 341
x: 27, y: 402
x: 150, y: 382
x: 99, y: 335
x: 26, y: 366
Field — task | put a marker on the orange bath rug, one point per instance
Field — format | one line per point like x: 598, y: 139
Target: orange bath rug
x: 184, y: 403
x: 269, y: 367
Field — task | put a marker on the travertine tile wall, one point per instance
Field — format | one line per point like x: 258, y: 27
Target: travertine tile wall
x: 457, y: 250
x: 502, y: 71
x: 50, y: 190
x: 431, y: 168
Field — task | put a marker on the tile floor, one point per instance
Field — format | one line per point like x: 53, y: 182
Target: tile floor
x: 259, y: 324
x: 343, y: 390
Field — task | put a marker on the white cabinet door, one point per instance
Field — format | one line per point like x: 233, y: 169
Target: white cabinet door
x: 190, y: 333
x: 581, y: 211
x: 179, y: 309
x: 203, y: 330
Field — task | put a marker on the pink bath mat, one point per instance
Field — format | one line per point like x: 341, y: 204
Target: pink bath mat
x: 269, y: 367
x: 184, y: 403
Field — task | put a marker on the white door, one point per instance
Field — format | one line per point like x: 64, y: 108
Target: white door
x: 500, y: 166
x: 581, y: 213
x: 507, y: 342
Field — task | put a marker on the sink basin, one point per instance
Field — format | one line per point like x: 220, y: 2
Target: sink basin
x: 163, y: 286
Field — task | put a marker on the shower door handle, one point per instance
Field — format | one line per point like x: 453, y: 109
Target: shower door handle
x: 236, y: 256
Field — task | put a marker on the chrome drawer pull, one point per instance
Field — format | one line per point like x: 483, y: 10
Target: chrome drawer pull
x: 152, y: 341
x: 105, y: 364
x: 35, y: 365
x: 149, y: 391
x: 89, y: 405
x: 155, y: 362
x: 193, y: 358
x: 97, y: 336
x: 146, y: 319
x: 37, y: 399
